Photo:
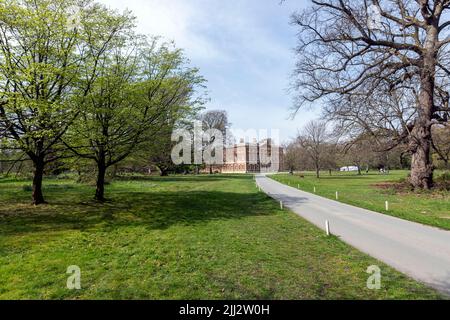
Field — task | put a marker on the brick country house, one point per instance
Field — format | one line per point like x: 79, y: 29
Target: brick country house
x: 253, y: 157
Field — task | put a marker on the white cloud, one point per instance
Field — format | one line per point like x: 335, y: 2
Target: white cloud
x: 172, y: 20
x: 243, y: 48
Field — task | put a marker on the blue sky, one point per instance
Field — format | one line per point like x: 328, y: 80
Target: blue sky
x: 244, y: 48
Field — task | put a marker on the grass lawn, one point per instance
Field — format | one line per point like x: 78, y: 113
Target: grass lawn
x: 371, y: 190
x: 181, y: 237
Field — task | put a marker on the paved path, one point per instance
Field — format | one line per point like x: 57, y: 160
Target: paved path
x: 420, y: 251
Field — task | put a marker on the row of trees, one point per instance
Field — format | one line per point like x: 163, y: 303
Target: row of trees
x: 319, y: 147
x: 379, y: 68
x: 160, y: 152
x: 76, y: 80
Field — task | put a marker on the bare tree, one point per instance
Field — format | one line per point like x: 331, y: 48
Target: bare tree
x: 295, y: 157
x: 359, y: 152
x: 215, y: 119
x: 314, y: 140
x: 404, y: 56
x: 291, y: 156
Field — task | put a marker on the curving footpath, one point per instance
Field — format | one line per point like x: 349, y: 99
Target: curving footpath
x: 420, y: 251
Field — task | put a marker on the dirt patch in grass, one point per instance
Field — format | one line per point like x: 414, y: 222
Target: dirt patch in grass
x: 442, y: 185
x: 404, y: 187
x: 397, y: 187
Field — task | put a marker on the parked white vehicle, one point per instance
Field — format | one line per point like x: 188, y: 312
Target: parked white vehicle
x: 349, y: 168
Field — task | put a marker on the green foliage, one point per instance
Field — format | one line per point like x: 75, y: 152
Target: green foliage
x: 443, y: 181
x: 445, y: 176
x: 27, y: 188
x: 75, y: 74
x: 49, y: 55
x: 41, y: 65
x: 143, y: 90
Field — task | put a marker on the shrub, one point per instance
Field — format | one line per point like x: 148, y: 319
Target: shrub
x: 443, y: 181
x: 27, y: 188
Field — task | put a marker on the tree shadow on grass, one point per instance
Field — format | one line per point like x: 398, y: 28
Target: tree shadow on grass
x: 324, y: 178
x: 185, y: 178
x: 158, y: 210
x: 289, y: 200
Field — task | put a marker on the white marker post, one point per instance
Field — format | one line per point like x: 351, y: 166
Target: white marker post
x: 281, y: 205
x: 386, y: 204
x: 327, y: 227
x: 298, y: 186
x: 337, y: 195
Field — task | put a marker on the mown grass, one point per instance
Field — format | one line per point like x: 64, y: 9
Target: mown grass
x: 372, y: 190
x: 182, y: 237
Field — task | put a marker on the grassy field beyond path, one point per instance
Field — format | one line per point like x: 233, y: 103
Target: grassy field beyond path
x: 203, y: 237
x: 370, y: 191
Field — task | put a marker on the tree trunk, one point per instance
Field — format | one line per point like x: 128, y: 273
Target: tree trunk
x: 163, y: 170
x: 421, y: 166
x: 38, y: 197
x: 420, y: 141
x: 359, y: 170
x: 114, y: 173
x: 317, y: 172
x: 420, y: 138
x: 101, y: 173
